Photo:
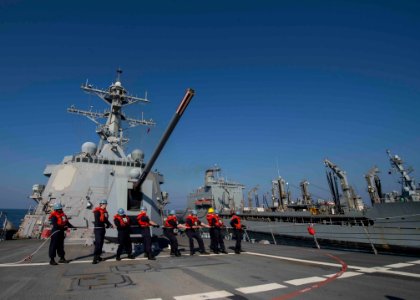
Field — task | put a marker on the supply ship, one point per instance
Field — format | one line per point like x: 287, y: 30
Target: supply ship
x: 390, y: 224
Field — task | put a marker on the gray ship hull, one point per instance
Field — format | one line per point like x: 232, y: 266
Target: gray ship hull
x: 387, y: 227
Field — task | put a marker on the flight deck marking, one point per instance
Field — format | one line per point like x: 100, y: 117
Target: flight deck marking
x: 346, y: 275
x: 305, y: 280
x: 399, y: 265
x: 415, y: 262
x: 209, y: 295
x: 260, y: 288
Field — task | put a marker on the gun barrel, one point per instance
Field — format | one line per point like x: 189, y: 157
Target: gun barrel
x: 178, y: 114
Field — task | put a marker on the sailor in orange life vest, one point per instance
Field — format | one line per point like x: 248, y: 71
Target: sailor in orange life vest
x: 101, y: 221
x: 59, y: 223
x: 235, y: 222
x: 192, y: 224
x: 218, y: 224
x: 170, y: 230
x: 122, y: 222
x: 213, y: 241
x: 145, y: 223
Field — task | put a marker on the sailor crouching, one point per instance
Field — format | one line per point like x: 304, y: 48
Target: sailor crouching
x: 122, y: 222
x: 101, y: 222
x: 59, y: 223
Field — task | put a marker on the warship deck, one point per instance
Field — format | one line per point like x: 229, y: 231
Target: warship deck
x: 263, y: 272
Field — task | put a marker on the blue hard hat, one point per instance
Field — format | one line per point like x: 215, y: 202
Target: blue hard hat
x: 121, y: 212
x: 143, y: 208
x: 193, y: 212
x: 58, y: 206
x: 103, y: 201
x: 172, y: 212
x: 216, y: 211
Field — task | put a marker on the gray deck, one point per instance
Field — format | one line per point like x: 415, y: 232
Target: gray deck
x: 264, y: 272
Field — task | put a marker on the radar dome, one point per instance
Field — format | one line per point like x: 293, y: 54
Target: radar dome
x: 135, y: 173
x: 137, y: 155
x: 117, y: 83
x: 89, y: 148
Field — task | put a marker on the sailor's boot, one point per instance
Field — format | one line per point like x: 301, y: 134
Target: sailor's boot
x: 118, y: 258
x: 63, y: 260
x: 95, y: 260
x: 52, y: 262
x: 151, y: 257
x: 177, y: 254
x: 131, y: 256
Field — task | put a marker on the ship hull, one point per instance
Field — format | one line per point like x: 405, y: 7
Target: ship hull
x: 391, y: 227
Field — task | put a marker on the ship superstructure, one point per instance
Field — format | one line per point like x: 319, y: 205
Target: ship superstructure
x: 103, y: 171
x: 217, y: 192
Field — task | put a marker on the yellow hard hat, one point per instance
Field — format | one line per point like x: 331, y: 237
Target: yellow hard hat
x: 211, y: 210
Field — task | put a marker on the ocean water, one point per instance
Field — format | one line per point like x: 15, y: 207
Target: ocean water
x: 14, y: 215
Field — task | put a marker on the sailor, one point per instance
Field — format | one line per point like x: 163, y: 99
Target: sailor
x: 170, y: 230
x: 235, y: 222
x: 211, y: 221
x: 101, y: 222
x: 59, y: 223
x: 192, y: 225
x: 122, y: 222
x: 218, y: 234
x: 145, y: 223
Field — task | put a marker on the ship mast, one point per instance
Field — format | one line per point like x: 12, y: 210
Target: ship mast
x: 409, y: 191
x: 111, y: 133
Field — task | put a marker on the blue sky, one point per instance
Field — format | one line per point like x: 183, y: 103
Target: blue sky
x: 280, y: 86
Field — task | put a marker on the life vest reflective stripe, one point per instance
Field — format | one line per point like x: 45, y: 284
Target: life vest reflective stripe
x: 238, y: 223
x: 168, y: 221
x: 103, y: 217
x: 141, y: 222
x: 123, y: 220
x: 194, y: 221
x: 60, y: 216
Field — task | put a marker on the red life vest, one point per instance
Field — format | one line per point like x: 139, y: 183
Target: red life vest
x: 194, y: 221
x: 60, y: 216
x: 209, y: 218
x: 238, y: 224
x: 141, y: 222
x: 103, y: 214
x: 168, y: 219
x: 219, y: 222
x: 123, y: 220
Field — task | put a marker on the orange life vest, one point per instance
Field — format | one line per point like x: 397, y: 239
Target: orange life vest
x: 60, y: 216
x: 141, y: 222
x: 170, y: 218
x: 219, y: 222
x: 209, y: 218
x: 123, y: 220
x: 194, y: 221
x: 238, y: 224
x: 103, y: 214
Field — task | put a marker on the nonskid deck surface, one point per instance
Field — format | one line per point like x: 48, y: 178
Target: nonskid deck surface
x: 263, y: 272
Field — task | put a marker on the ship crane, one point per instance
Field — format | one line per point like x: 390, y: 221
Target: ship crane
x: 409, y: 190
x: 348, y: 194
x: 111, y: 132
x: 250, y: 193
x: 374, y: 185
x: 306, y: 196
